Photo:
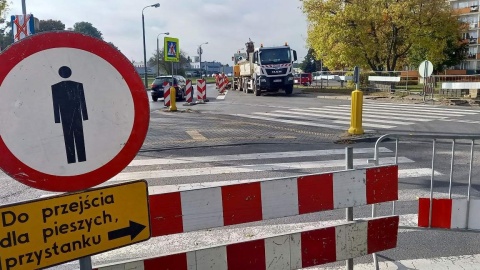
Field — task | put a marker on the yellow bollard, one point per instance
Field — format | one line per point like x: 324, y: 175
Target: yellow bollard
x: 173, y: 99
x: 356, y: 114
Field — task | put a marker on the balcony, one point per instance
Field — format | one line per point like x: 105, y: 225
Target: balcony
x: 474, y: 8
x: 472, y: 56
x: 460, y: 11
x: 473, y: 25
x: 472, y: 41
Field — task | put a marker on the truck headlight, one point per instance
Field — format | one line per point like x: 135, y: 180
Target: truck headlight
x: 263, y: 80
x: 290, y: 78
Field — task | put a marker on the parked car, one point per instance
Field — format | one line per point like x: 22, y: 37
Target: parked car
x: 157, y: 86
x: 303, y: 78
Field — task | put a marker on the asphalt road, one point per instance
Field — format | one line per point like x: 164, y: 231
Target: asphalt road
x: 244, y: 138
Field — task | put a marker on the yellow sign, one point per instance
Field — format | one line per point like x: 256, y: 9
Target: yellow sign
x: 59, y: 229
x: 171, y: 49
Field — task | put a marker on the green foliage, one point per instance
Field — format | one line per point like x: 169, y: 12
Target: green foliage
x: 166, y: 67
x: 6, y: 37
x: 310, y: 63
x: 50, y: 25
x: 87, y: 29
x: 379, y: 34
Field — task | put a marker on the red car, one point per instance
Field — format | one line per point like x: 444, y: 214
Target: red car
x: 303, y: 78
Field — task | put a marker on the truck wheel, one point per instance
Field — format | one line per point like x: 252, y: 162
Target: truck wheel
x: 289, y: 90
x: 155, y: 99
x: 256, y: 91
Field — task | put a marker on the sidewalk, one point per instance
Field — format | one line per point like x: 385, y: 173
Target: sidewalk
x: 465, y: 262
x: 413, y: 99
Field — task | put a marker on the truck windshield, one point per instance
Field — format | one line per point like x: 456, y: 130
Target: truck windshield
x: 275, y: 56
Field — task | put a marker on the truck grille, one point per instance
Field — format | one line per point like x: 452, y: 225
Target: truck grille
x: 281, y: 71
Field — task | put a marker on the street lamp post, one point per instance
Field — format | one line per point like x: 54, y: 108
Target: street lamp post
x: 144, y: 46
x: 158, y: 53
x: 200, y: 51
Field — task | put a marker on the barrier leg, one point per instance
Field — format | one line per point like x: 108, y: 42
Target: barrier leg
x: 349, y: 210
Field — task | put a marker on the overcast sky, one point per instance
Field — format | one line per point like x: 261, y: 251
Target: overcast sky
x: 225, y: 24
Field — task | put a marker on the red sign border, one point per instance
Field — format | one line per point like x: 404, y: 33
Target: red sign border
x: 21, y: 172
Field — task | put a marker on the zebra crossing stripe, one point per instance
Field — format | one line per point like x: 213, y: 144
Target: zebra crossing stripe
x: 311, y: 116
x: 432, y: 111
x: 409, y: 194
x: 253, y: 156
x: 328, y: 112
x: 420, y: 106
x: 156, y: 174
x: 382, y: 112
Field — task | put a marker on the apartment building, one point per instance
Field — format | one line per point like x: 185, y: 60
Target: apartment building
x: 468, y: 13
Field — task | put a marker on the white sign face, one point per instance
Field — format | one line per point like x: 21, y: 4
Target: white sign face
x: 425, y: 69
x: 60, y: 130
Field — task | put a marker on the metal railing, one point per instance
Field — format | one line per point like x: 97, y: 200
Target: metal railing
x: 433, y: 138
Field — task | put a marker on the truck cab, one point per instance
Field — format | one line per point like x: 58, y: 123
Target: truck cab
x: 273, y: 67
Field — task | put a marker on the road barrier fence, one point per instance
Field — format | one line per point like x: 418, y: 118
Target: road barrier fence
x: 200, y: 209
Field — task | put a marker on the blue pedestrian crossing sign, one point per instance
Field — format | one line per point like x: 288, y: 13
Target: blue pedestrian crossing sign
x: 171, y: 49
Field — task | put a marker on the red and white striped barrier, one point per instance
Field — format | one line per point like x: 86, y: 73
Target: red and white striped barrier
x: 166, y: 94
x: 222, y: 84
x: 201, y: 91
x: 292, y: 251
x: 449, y: 213
x: 184, y: 211
x: 188, y: 92
x: 235, y: 204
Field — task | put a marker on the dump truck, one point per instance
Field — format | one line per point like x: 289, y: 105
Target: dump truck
x: 264, y: 69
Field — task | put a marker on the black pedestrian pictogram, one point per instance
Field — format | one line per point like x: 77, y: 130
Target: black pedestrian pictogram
x: 70, y: 109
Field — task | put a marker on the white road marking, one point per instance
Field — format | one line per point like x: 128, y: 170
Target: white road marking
x: 254, y: 156
x: 221, y: 97
x: 248, y: 168
x: 460, y: 121
x: 408, y: 194
x: 432, y: 111
x: 346, y: 116
x: 374, y: 112
x: 317, y: 117
x: 465, y: 262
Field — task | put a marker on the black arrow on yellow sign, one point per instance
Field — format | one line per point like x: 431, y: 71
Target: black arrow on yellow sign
x: 133, y: 230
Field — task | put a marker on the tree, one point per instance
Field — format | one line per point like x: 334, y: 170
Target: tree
x: 6, y: 37
x: 87, y: 29
x: 167, y: 66
x: 379, y: 34
x: 50, y: 25
x: 456, y: 51
x: 310, y: 63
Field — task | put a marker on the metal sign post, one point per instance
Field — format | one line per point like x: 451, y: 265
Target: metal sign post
x: 425, y: 70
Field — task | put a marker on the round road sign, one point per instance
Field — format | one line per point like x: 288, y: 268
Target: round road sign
x: 425, y: 69
x: 73, y: 111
